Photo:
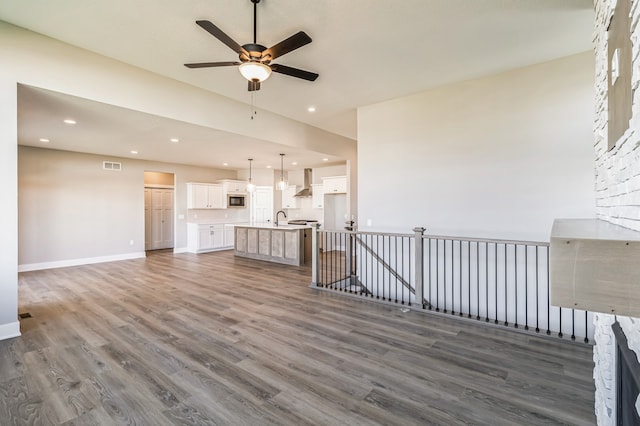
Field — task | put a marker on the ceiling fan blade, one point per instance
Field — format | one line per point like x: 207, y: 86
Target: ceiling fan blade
x: 211, y: 64
x: 220, y: 35
x: 294, y: 72
x: 294, y: 42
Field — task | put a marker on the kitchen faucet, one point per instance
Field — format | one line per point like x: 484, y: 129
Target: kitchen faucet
x: 278, y: 214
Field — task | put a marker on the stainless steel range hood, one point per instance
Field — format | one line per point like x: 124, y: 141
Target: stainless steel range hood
x: 306, y: 190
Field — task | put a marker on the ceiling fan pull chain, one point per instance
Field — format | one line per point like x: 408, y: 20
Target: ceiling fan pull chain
x: 253, y: 105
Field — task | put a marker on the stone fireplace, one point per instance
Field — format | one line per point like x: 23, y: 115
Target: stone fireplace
x: 617, y: 166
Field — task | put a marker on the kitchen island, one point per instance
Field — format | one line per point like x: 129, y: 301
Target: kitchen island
x: 287, y: 244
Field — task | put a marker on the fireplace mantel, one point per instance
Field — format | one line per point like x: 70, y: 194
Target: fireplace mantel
x: 595, y: 266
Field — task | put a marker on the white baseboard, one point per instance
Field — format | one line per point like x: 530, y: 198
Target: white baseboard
x: 77, y: 262
x: 180, y: 250
x: 7, y: 331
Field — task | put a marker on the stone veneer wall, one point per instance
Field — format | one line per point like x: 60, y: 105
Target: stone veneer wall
x: 617, y: 197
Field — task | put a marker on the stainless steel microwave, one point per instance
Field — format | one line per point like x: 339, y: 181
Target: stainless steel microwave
x: 236, y: 201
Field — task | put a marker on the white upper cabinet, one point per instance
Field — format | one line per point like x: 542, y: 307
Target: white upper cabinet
x: 335, y: 184
x: 318, y: 196
x: 234, y: 186
x: 205, y: 196
x: 289, y: 200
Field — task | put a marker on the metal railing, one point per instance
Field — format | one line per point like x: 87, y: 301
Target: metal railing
x: 500, y: 282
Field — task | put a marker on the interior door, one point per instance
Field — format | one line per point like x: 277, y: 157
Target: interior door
x: 262, y: 204
x: 166, y: 201
x: 147, y: 218
x: 160, y: 225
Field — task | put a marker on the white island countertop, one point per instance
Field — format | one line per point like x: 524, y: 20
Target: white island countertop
x: 283, y: 227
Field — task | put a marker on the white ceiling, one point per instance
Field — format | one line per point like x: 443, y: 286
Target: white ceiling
x: 365, y: 51
x: 114, y: 131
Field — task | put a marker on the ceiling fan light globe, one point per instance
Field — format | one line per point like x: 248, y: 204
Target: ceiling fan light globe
x: 253, y: 71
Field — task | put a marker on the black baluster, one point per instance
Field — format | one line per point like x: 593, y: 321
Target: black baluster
x: 339, y: 263
x: 389, y: 270
x: 478, y: 279
x: 460, y: 275
x: 469, y: 277
x: 330, y: 261
x: 411, y: 257
x: 388, y: 289
x: 367, y: 258
x: 429, y: 276
x: 506, y: 292
x: 495, y: 245
x: 537, y: 294
x: 560, y: 318
x: 586, y: 327
x: 336, y: 262
x: 526, y: 288
x: 444, y: 265
x: 548, y: 297
x: 486, y: 282
x: 573, y: 324
x: 397, y: 269
x: 515, y: 279
x: 437, y: 275
x: 373, y: 260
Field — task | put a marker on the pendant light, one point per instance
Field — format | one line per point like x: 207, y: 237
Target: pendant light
x: 250, y: 186
x: 282, y: 185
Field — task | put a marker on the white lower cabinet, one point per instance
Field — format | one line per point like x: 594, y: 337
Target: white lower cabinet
x: 229, y: 235
x: 202, y: 238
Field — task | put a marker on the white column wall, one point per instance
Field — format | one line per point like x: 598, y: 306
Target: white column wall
x: 9, y: 326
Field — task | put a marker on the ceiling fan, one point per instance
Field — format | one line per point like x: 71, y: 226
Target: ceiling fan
x: 255, y: 59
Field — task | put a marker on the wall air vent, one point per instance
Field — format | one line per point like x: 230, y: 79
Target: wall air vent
x: 110, y: 165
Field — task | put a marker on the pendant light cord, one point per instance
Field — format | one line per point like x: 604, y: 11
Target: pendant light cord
x: 281, y: 167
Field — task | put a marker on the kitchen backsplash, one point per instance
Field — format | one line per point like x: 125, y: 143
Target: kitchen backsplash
x: 306, y: 211
x: 218, y: 216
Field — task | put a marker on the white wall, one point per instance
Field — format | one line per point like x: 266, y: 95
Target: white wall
x: 499, y: 157
x: 42, y: 62
x: 72, y: 211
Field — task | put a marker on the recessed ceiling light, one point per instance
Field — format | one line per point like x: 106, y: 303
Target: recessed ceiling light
x: 268, y: 167
x: 44, y: 140
x: 70, y: 121
x: 295, y: 163
x: 225, y: 164
x: 174, y: 140
x: 311, y: 109
x: 325, y: 159
x: 133, y: 151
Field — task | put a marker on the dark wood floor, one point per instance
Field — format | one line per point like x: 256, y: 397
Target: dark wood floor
x: 211, y: 339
